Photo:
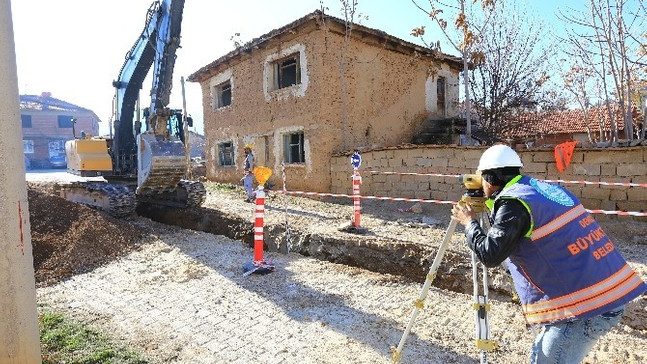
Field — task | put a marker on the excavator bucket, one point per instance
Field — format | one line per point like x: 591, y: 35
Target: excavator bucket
x: 161, y: 165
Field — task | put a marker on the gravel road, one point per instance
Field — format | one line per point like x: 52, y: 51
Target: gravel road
x: 180, y: 297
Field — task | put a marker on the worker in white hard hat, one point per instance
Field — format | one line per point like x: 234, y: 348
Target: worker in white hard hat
x: 572, y: 282
x: 248, y: 178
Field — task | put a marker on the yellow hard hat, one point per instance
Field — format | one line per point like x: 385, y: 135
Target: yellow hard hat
x: 249, y: 146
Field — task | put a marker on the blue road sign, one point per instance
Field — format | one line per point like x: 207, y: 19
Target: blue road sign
x: 355, y: 160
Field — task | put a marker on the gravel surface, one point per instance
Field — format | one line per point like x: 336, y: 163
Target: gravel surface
x: 179, y: 295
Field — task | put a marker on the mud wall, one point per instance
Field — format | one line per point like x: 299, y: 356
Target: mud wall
x: 389, y: 91
x: 625, y: 165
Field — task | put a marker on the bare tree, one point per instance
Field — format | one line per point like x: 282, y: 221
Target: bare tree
x: 609, y: 40
x: 469, y: 32
x: 514, y: 73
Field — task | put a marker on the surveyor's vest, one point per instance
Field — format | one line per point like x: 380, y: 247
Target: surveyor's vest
x: 566, y: 267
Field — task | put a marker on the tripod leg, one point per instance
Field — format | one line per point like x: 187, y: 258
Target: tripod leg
x: 481, y: 308
x: 431, y: 275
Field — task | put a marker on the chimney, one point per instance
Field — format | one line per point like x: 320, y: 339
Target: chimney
x: 46, y: 95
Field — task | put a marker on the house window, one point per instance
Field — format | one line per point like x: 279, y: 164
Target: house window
x: 225, y: 154
x: 293, y: 151
x: 287, y: 71
x: 65, y: 121
x: 26, y: 120
x: 222, y: 94
x: 440, y: 95
x: 28, y: 146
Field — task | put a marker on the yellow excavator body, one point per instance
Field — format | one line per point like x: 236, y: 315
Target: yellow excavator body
x: 88, y: 156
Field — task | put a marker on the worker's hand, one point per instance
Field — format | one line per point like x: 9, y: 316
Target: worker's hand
x: 463, y: 213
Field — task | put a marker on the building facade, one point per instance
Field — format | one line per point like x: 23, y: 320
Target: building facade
x: 310, y: 89
x: 47, y: 123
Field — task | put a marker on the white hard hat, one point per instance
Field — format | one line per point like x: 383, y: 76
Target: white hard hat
x: 499, y: 156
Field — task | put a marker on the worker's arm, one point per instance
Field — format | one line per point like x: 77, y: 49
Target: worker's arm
x: 511, y: 223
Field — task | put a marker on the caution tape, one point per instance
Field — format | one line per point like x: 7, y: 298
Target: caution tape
x: 623, y: 184
x: 417, y: 174
x: 622, y: 213
x: 326, y: 194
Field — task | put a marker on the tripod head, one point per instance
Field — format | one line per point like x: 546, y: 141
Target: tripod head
x: 474, y: 195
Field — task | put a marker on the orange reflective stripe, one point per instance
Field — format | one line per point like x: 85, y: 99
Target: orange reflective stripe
x: 584, y: 300
x: 571, y: 313
x: 558, y: 222
x: 584, y: 293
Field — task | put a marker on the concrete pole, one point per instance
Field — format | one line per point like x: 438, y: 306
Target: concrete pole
x: 19, y: 337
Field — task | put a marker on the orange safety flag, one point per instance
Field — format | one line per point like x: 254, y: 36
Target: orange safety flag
x: 563, y: 154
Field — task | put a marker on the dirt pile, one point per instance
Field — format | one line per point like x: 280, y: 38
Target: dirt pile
x: 68, y: 238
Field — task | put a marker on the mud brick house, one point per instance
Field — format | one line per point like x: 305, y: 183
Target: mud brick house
x: 47, y: 123
x: 302, y: 93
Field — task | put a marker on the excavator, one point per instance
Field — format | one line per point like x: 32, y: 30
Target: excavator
x: 141, y: 162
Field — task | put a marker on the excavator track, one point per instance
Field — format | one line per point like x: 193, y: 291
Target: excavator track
x: 116, y: 200
x: 186, y: 194
x: 121, y: 200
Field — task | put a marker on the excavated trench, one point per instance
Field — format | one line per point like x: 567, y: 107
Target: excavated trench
x: 409, y: 262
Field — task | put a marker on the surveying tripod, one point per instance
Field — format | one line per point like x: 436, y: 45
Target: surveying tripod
x: 480, y: 305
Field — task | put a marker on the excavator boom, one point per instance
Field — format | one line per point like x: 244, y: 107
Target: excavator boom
x: 148, y: 157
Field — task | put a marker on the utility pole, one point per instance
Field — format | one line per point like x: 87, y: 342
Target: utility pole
x: 19, y: 337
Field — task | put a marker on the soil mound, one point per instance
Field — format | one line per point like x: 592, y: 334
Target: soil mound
x: 69, y: 239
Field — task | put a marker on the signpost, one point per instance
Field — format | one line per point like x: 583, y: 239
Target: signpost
x: 356, y: 161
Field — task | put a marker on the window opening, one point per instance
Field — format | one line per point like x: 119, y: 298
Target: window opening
x: 225, y: 154
x: 26, y: 120
x: 287, y: 72
x: 65, y: 121
x: 440, y: 95
x: 223, y: 94
x: 293, y: 151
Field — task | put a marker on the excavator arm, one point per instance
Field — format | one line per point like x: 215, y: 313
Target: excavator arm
x: 156, y: 46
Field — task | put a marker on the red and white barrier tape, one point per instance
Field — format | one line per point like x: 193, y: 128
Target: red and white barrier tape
x: 325, y: 194
x: 624, y: 184
x: 417, y: 174
x: 600, y: 183
x: 304, y: 193
x: 622, y: 213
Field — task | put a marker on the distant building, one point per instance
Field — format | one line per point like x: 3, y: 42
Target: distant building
x: 546, y: 129
x: 47, y: 123
x: 301, y: 93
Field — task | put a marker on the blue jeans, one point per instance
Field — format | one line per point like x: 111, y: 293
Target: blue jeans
x: 570, y: 342
x: 248, y: 183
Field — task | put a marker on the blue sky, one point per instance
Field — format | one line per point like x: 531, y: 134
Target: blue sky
x: 75, y: 48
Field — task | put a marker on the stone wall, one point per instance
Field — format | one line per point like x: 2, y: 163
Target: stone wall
x: 595, y: 165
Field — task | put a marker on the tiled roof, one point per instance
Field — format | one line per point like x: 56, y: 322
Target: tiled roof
x: 315, y: 16
x: 563, y: 122
x: 46, y: 102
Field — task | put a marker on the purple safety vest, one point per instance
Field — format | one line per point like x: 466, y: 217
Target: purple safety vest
x: 566, y: 267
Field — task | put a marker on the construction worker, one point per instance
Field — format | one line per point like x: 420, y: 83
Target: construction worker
x: 248, y: 179
x: 570, y: 278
